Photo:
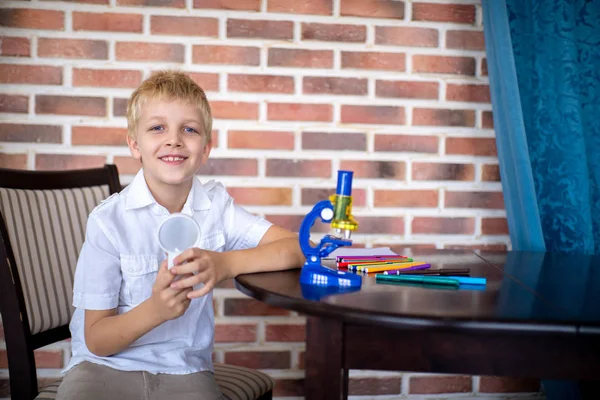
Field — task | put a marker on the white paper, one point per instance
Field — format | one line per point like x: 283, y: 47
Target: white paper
x: 355, y: 251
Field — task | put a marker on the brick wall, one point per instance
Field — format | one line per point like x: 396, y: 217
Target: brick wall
x: 395, y: 90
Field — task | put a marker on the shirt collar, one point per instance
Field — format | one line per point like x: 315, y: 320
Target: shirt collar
x: 139, y: 195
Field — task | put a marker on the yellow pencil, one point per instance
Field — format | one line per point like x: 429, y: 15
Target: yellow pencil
x: 390, y: 267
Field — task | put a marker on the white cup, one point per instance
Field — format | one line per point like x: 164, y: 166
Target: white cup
x: 177, y: 233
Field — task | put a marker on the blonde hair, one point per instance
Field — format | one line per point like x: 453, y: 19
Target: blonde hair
x: 168, y: 85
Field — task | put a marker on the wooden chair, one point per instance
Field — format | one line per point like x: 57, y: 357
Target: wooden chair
x: 43, y: 216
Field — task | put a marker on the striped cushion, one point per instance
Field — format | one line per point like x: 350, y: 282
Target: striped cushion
x: 239, y: 383
x: 46, y: 230
x: 236, y: 383
x: 49, y: 392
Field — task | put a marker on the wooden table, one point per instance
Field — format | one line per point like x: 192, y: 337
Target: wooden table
x: 538, y: 317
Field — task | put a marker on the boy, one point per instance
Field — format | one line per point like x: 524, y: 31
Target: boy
x: 140, y: 330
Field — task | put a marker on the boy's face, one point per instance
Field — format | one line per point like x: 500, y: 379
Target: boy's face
x: 171, y: 142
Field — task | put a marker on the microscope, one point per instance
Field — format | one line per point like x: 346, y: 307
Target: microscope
x: 338, y: 212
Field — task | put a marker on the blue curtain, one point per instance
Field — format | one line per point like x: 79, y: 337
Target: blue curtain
x: 544, y: 67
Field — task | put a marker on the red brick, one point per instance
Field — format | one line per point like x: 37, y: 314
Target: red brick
x: 14, y: 46
x: 328, y: 85
x: 445, y: 226
x: 259, y: 359
x: 30, y: 133
x: 490, y: 173
x: 299, y: 168
x: 320, y: 7
x: 471, y: 146
x: 247, y: 5
x: 487, y: 120
x: 208, y: 82
x: 187, y: 26
x: 110, y: 22
x: 406, y: 198
x: 312, y: 196
x: 98, y: 136
x: 467, y: 40
x: 260, y: 140
x: 230, y: 166
x: 487, y: 200
x: 391, y: 115
x: 70, y: 105
x: 299, y: 112
x: 111, y: 78
x: 228, y: 55
x: 260, y: 83
x: 374, y: 60
x: 484, y: 67
x: 443, y: 117
x: 32, y: 19
x: 261, y: 196
x: 263, y: 29
x: 440, y: 384
x: 119, y: 107
x: 234, y: 110
x: 494, y: 226
x: 375, y: 169
x: 127, y: 165
x: 300, y: 58
x: 14, y: 103
x: 59, y: 162
x: 407, y: 89
x: 497, y: 384
x: 381, y: 225
x: 374, y: 386
x: 80, y: 1
x: 153, y: 3
x: 30, y: 74
x: 14, y: 161
x: 334, y: 32
x: 250, y: 307
x: 407, y: 143
x: 473, y: 93
x: 405, y: 36
x: 48, y: 359
x: 235, y: 333
x: 288, y: 388
x: 138, y: 51
x: 334, y: 141
x: 73, y: 48
x: 372, y: 8
x: 444, y: 65
x: 442, y: 172
x: 285, y: 333
x: 458, y: 13
x: 43, y: 359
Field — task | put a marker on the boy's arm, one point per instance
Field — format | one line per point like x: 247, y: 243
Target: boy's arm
x: 107, y: 333
x: 278, y: 249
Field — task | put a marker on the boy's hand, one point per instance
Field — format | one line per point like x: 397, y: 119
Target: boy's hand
x: 202, y: 264
x: 168, y: 303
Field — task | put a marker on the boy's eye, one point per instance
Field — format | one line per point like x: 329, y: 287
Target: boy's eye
x: 156, y: 128
x: 190, y: 130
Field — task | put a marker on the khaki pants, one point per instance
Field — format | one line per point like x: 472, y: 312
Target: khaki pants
x: 88, y: 381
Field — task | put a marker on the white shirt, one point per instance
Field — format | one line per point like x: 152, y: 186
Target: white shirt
x: 118, y: 265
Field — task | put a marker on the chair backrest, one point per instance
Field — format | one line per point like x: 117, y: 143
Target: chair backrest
x: 43, y: 215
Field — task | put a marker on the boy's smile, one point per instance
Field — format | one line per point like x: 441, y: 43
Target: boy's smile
x: 171, y: 144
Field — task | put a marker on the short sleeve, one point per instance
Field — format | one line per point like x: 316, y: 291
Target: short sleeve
x: 98, y: 273
x: 243, y: 229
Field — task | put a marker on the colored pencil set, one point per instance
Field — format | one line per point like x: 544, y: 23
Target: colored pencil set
x: 391, y: 264
x: 396, y: 269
